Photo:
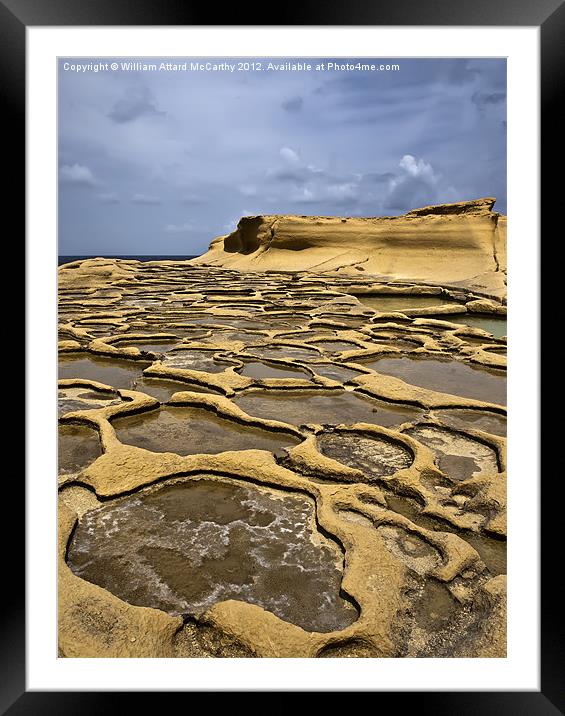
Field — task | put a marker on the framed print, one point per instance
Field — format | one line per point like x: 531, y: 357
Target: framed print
x: 278, y: 275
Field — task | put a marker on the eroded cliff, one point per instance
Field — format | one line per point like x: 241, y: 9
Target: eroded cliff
x: 462, y: 243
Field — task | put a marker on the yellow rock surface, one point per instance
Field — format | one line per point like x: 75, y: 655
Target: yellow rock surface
x: 421, y: 548
x: 444, y: 243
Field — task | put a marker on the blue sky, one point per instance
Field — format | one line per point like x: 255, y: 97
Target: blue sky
x: 162, y: 162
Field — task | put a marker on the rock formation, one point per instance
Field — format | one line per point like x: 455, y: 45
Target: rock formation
x: 295, y: 465
x: 462, y: 243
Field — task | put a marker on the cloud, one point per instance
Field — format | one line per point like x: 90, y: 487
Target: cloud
x: 231, y: 225
x: 294, y: 104
x: 415, y: 77
x: 332, y: 192
x: 290, y: 156
x: 193, y: 199
x: 145, y: 199
x: 483, y: 100
x: 294, y: 170
x: 307, y: 184
x: 304, y: 195
x: 110, y: 198
x: 179, y: 228
x: 330, y: 197
x: 415, y: 186
x: 417, y: 168
x: 77, y: 174
x: 227, y: 142
x: 377, y: 177
x: 347, y: 191
x: 297, y: 175
x: 136, y: 102
x: 248, y: 190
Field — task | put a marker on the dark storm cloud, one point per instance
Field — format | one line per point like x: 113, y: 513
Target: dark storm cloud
x: 377, y: 178
x: 483, y: 99
x: 136, y: 102
x: 162, y: 163
x: 414, y: 75
x: 294, y: 104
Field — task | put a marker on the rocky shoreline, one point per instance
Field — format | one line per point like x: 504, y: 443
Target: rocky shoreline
x: 279, y: 438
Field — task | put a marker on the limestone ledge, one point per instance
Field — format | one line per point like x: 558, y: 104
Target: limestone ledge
x: 445, y: 243
x: 377, y: 576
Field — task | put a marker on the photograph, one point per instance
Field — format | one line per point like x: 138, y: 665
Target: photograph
x: 282, y: 353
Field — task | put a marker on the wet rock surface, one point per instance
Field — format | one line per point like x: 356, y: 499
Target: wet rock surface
x: 263, y: 369
x: 374, y: 456
x: 164, y: 389
x: 190, y: 431
x: 386, y: 303
x: 299, y: 464
x: 195, y: 360
x: 476, y: 419
x: 115, y: 372
x: 71, y: 399
x: 324, y: 408
x: 78, y: 446
x: 184, y: 547
x: 494, y: 325
x: 458, y: 456
x: 454, y: 377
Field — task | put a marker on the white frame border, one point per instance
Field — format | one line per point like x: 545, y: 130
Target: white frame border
x: 521, y: 669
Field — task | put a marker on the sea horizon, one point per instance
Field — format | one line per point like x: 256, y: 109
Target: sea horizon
x: 68, y: 258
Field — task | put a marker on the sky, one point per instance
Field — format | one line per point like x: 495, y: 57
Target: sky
x: 161, y: 162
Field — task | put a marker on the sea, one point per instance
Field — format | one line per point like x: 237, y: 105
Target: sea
x: 69, y: 259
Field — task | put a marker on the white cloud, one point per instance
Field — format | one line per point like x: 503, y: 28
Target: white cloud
x: 417, y: 168
x: 290, y: 156
x: 179, y: 228
x: 145, y: 199
x: 349, y: 190
x: 415, y: 183
x: 232, y: 225
x: 77, y: 174
x: 110, y: 198
x: 415, y: 186
x: 309, y: 184
x: 304, y: 195
x: 218, y: 135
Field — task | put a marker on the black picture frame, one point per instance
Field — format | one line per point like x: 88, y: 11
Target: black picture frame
x: 15, y: 17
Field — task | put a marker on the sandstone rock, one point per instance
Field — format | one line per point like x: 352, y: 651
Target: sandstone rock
x: 448, y: 242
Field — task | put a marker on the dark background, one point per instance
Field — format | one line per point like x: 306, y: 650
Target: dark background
x: 14, y: 16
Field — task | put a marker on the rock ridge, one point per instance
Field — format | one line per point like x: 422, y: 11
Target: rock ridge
x: 462, y: 242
